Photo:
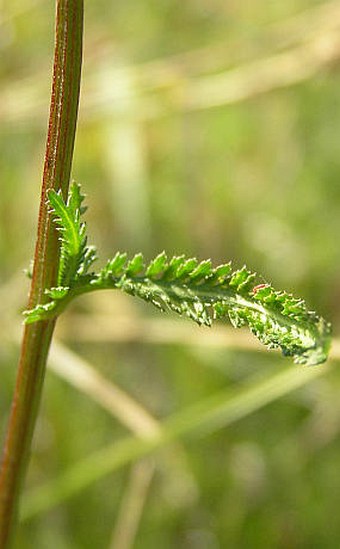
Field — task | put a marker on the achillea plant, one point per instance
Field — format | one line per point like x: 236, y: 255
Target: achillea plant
x: 63, y: 270
x: 182, y: 285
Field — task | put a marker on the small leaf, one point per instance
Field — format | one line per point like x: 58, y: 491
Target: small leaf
x: 186, y: 268
x: 242, y: 279
x: 40, y: 312
x: 115, y: 266
x: 221, y: 272
x: 236, y: 318
x: 157, y: 266
x: 201, y: 272
x: 135, y: 266
x: 173, y: 266
x: 57, y: 293
x: 75, y: 255
x: 75, y: 199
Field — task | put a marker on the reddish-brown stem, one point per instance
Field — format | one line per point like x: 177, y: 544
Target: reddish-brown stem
x: 37, y: 337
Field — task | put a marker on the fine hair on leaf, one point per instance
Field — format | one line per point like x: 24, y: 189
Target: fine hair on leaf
x: 185, y: 286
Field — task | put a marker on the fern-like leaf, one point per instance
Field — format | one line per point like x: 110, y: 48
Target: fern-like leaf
x: 203, y: 293
x: 185, y: 286
x: 75, y: 256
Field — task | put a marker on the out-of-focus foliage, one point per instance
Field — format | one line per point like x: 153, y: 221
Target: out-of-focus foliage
x: 254, y: 179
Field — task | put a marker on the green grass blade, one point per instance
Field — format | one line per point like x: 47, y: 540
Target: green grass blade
x: 216, y: 412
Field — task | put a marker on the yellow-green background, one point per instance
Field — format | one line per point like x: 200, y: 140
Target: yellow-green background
x: 254, y: 179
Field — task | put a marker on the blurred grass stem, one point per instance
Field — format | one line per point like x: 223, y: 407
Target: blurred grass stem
x: 213, y: 413
x: 133, y: 502
x: 37, y: 337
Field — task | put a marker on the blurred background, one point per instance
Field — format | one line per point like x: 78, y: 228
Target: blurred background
x: 210, y: 128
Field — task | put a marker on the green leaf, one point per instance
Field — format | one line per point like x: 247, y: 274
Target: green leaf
x: 135, y: 266
x: 204, y: 294
x: 75, y: 256
x: 114, y: 267
x: 185, y: 269
x: 242, y: 279
x: 58, y: 293
x: 157, y: 266
x: 40, y: 312
x: 201, y: 272
x: 184, y: 286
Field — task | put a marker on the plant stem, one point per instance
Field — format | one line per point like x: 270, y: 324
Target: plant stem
x: 37, y: 337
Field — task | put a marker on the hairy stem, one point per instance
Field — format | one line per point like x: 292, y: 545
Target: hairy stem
x: 37, y: 337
